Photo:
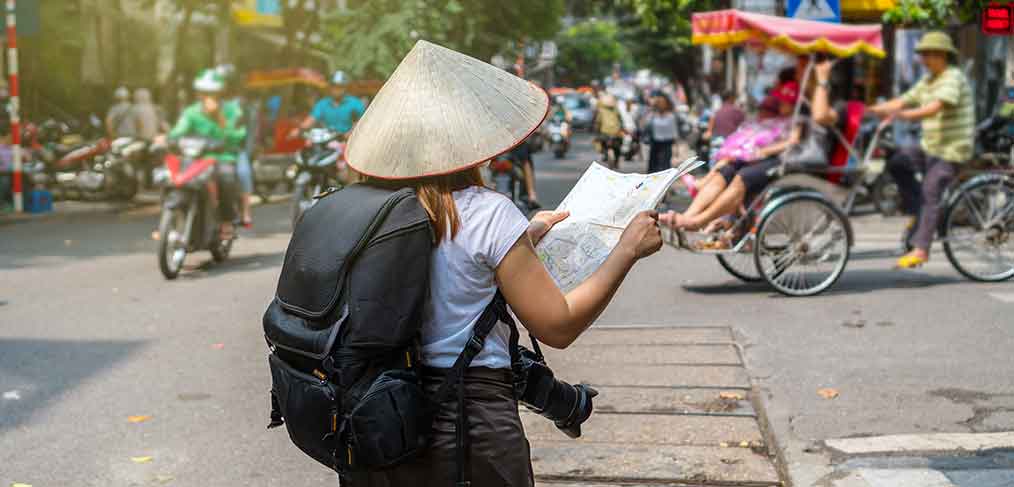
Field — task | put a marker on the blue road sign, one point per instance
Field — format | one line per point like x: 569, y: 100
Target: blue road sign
x: 823, y: 10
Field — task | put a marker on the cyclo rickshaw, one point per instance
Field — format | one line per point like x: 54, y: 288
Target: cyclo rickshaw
x: 796, y: 235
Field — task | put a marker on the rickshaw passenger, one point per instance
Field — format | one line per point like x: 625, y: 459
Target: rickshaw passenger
x: 741, y: 182
x: 770, y: 126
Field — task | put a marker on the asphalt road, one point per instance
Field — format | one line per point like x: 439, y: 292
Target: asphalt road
x: 91, y: 334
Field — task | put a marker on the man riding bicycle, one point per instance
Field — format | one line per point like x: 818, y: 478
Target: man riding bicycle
x: 942, y: 100
x: 218, y: 121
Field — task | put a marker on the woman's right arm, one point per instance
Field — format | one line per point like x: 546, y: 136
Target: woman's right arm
x: 557, y: 319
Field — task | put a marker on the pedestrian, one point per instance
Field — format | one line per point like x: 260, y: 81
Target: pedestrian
x: 942, y: 101
x: 484, y: 244
x: 119, y: 122
x: 146, y: 118
x: 662, y: 131
x: 727, y: 119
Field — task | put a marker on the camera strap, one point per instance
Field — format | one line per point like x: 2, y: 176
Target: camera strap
x: 495, y: 312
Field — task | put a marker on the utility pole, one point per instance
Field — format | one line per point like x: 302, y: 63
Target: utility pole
x: 15, y: 103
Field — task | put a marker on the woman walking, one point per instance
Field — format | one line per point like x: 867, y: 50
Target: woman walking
x: 662, y: 133
x: 439, y: 118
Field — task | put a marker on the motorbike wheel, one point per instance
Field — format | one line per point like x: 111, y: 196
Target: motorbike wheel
x: 886, y: 197
x: 559, y: 152
x: 220, y: 251
x: 172, y: 251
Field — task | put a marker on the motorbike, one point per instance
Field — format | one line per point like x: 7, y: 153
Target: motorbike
x: 316, y: 169
x: 72, y: 169
x: 995, y: 140
x: 509, y: 179
x: 189, y: 220
x: 559, y: 141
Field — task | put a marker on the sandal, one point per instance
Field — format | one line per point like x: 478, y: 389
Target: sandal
x: 910, y: 261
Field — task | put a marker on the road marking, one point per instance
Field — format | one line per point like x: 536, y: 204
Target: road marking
x: 904, y: 478
x: 12, y: 395
x: 1005, y: 297
x: 931, y: 443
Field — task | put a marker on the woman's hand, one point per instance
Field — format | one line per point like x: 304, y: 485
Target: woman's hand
x: 642, y: 237
x: 823, y: 70
x: 542, y: 222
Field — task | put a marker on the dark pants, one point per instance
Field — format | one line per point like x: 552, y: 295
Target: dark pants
x: 228, y: 191
x: 499, y: 454
x: 659, y: 156
x: 923, y: 200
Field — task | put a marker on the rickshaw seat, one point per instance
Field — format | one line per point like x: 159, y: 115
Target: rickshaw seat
x: 854, y: 111
x: 836, y: 193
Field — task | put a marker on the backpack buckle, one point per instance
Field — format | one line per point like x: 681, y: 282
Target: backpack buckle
x: 328, y: 364
x: 475, y: 345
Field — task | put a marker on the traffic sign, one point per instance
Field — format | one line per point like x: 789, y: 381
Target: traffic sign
x: 823, y: 10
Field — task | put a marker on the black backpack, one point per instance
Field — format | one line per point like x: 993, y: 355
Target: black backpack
x: 343, y: 331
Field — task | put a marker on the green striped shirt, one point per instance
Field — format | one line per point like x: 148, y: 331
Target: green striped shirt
x: 950, y: 134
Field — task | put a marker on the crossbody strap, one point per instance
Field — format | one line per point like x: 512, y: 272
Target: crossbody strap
x: 495, y: 312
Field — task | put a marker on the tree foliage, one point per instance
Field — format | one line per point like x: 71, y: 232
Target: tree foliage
x: 589, y: 50
x: 371, y: 36
x: 933, y: 13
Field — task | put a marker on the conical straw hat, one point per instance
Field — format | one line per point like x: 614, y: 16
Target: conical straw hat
x: 440, y: 112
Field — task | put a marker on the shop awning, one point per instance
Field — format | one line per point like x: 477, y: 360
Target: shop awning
x: 865, y: 9
x: 726, y: 28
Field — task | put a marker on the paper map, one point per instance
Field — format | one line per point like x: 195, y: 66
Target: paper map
x: 601, y: 205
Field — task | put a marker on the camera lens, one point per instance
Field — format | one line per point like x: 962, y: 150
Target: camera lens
x: 568, y: 406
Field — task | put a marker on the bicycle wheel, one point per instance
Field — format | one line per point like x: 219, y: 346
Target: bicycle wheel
x: 979, y: 231
x: 742, y: 266
x: 802, y: 246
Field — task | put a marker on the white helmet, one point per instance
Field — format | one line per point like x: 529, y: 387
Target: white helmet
x: 209, y: 81
x: 122, y: 93
x: 339, y: 78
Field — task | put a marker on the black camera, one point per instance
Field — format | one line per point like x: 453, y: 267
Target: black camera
x: 537, y: 388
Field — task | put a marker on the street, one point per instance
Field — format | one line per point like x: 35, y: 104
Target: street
x: 112, y: 376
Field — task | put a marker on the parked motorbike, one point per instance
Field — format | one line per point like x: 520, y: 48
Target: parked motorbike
x: 61, y: 161
x: 995, y: 140
x: 189, y: 221
x: 316, y: 169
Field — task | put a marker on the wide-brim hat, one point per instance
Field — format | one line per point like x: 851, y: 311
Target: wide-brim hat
x: 441, y: 112
x: 936, y: 41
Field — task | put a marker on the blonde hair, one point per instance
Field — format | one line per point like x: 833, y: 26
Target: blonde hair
x: 435, y: 194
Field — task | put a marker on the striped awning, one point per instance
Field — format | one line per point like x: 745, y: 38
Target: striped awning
x: 725, y: 28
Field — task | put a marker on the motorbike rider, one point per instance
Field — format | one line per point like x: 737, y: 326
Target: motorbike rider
x: 559, y: 113
x: 337, y: 111
x: 210, y: 117
x: 942, y: 101
x: 609, y: 127
x: 244, y: 169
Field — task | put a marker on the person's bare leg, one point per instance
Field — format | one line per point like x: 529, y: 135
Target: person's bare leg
x: 705, y: 196
x: 244, y: 203
x: 726, y: 203
x: 529, y: 170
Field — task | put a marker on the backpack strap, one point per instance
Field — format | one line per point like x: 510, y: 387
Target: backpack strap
x: 495, y: 312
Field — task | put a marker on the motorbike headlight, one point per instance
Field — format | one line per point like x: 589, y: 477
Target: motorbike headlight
x: 160, y: 176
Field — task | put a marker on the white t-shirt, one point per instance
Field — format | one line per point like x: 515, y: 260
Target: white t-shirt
x: 462, y: 280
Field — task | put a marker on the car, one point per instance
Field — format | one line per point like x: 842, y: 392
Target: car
x: 581, y: 111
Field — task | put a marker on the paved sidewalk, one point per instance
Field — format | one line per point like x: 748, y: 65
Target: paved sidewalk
x: 675, y: 408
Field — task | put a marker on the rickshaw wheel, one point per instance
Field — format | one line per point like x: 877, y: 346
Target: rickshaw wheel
x: 742, y: 266
x: 979, y: 231
x: 802, y: 245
